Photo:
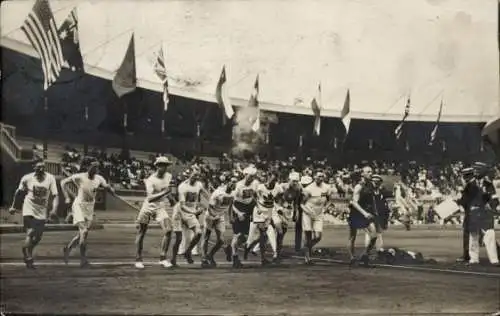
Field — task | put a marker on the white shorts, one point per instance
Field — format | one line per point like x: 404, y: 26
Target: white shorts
x: 218, y: 224
x: 145, y: 216
x: 312, y: 223
x: 83, y: 213
x: 181, y: 218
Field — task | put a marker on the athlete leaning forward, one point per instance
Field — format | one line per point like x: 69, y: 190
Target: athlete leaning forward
x: 83, y: 205
x: 219, y: 204
x: 266, y: 210
x: 40, y: 189
x: 241, y: 212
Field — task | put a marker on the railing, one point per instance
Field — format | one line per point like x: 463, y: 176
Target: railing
x: 10, y: 129
x: 9, y: 143
x: 54, y: 168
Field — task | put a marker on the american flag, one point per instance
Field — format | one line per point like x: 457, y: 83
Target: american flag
x: 435, y: 129
x: 161, y: 72
x: 40, y: 28
x: 399, y: 130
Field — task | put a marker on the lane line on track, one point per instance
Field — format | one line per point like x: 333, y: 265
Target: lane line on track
x: 411, y: 268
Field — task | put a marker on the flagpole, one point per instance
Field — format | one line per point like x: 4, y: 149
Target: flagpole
x: 46, y: 127
x: 85, y: 141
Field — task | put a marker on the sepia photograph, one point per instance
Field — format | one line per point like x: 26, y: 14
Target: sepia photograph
x: 250, y: 157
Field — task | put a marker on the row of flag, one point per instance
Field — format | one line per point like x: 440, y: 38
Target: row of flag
x: 61, y: 47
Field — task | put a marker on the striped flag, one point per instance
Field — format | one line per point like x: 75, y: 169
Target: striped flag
x: 399, y: 130
x: 223, y: 97
x: 161, y: 73
x: 125, y: 80
x: 435, y: 129
x: 68, y: 33
x: 316, y: 108
x: 40, y: 28
x: 254, y: 102
x: 345, y: 115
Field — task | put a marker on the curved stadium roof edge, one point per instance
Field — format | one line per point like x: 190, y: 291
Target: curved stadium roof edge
x: 238, y: 102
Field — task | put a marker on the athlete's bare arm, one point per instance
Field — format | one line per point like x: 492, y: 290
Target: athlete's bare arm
x: 20, y: 190
x: 65, y: 189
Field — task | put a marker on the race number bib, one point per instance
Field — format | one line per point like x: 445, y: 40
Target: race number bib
x: 191, y: 197
x: 247, y: 193
x: 226, y: 201
x: 40, y: 195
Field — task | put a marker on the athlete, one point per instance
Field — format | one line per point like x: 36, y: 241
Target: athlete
x: 363, y: 215
x: 219, y: 204
x: 87, y: 184
x: 241, y: 211
x: 267, y: 194
x: 289, y: 200
x: 185, y: 214
x: 40, y: 188
x: 316, y: 197
x: 158, y: 193
x: 382, y: 212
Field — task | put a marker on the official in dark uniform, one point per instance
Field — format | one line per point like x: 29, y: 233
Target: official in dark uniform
x: 479, y: 203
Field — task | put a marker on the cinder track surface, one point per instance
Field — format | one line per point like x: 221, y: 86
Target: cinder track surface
x: 113, y: 286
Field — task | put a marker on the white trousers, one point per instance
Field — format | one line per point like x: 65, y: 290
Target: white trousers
x: 254, y: 235
x: 489, y: 243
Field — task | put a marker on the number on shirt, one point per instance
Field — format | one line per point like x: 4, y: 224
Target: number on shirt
x: 191, y: 197
x: 247, y: 193
x: 39, y: 195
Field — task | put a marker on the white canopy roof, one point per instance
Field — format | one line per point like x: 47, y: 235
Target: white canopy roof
x: 379, y: 49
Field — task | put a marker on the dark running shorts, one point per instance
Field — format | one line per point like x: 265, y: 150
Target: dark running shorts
x: 29, y: 222
x: 243, y: 227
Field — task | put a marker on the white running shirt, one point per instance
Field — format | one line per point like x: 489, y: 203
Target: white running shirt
x: 37, y: 200
x: 265, y: 202
x: 87, y: 188
x: 190, y: 194
x: 245, y: 193
x: 317, y: 197
x: 220, y: 201
x: 155, y: 185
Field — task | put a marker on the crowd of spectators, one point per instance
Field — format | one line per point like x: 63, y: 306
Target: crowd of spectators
x: 420, y: 183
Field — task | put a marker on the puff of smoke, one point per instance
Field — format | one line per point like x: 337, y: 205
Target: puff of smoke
x: 245, y: 139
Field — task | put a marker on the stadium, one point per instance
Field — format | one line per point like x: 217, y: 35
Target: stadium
x: 404, y: 88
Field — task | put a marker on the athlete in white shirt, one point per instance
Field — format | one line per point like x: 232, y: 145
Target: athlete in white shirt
x: 261, y: 226
x: 155, y: 207
x: 40, y: 188
x: 87, y: 184
x: 219, y: 204
x: 316, y: 197
x: 185, y: 214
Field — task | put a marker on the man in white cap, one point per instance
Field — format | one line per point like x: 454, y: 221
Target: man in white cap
x: 316, y: 197
x: 40, y: 188
x: 243, y: 205
x: 158, y: 190
x: 87, y: 184
x: 186, y: 213
x: 477, y: 198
